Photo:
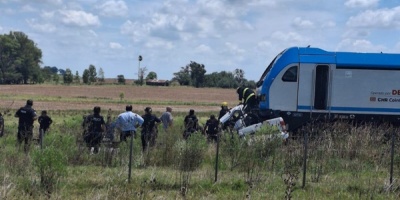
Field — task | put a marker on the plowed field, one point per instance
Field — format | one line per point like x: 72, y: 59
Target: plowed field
x: 60, y: 97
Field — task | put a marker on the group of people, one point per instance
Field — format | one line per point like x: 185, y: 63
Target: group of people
x: 27, y: 116
x: 127, y: 122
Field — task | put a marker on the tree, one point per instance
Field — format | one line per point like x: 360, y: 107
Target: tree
x: 68, y: 77
x: 183, y: 76
x: 85, y: 76
x: 221, y: 79
x: 152, y: 75
x: 29, y: 57
x: 77, y: 78
x: 101, y: 75
x: 142, y: 73
x: 197, y: 74
x: 56, y: 78
x: 239, y: 75
x: 61, y: 71
x: 19, y: 58
x: 121, y: 79
x: 92, y: 74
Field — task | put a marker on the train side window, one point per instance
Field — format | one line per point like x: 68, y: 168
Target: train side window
x: 290, y: 75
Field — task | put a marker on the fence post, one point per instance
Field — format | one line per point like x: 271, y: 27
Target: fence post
x: 305, y: 158
x: 392, y: 158
x: 130, y: 157
x: 41, y: 137
x: 216, y: 160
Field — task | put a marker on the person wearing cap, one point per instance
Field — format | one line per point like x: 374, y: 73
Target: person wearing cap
x: 127, y: 122
x: 149, y: 128
x: 191, y: 124
x: 167, y: 118
x: 211, y: 129
x: 247, y: 97
x: 96, y: 128
x: 27, y: 116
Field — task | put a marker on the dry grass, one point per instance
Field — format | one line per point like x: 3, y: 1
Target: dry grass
x: 60, y: 97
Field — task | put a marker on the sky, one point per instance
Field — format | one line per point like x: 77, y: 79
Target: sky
x: 224, y: 35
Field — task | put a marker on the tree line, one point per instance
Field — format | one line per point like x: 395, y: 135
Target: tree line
x: 20, y: 60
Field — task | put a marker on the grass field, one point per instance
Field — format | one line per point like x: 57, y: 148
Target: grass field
x: 343, y: 162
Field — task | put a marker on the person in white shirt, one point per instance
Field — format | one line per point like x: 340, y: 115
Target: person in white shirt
x: 127, y: 122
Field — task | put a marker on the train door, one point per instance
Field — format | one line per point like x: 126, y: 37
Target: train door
x: 321, y: 101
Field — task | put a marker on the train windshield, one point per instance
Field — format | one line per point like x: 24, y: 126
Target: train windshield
x: 260, y: 82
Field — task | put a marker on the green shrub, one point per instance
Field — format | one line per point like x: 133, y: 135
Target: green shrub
x: 50, y: 165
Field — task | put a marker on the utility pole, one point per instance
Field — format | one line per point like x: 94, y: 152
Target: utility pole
x: 140, y: 59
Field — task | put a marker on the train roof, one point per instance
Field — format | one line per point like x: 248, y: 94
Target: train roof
x: 347, y: 59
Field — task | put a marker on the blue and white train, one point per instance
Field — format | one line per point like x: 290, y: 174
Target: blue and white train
x: 303, y: 83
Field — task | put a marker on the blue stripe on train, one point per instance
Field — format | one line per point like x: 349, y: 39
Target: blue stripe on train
x: 357, y: 109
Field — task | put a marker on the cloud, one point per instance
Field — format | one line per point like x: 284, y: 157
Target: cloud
x: 115, y: 45
x: 328, y: 24
x: 361, y: 3
x: 28, y: 8
x: 41, y: 27
x: 113, y: 8
x: 355, y: 33
x: 234, y: 49
x: 203, y: 49
x: 381, y: 18
x: 360, y: 45
x: 287, y: 36
x: 159, y: 44
x: 301, y: 23
x: 79, y: 18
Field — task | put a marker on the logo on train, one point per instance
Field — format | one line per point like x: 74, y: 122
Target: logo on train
x: 395, y: 92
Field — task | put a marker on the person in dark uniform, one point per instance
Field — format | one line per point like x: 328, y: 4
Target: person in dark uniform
x: 191, y: 124
x: 27, y: 116
x: 96, y: 127
x: 247, y: 97
x: 149, y: 128
x: 45, y: 121
x: 211, y: 129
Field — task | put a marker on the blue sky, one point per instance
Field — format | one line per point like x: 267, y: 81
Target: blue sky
x: 221, y: 34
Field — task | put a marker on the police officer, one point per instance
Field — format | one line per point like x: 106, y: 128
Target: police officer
x: 27, y: 115
x: 247, y: 97
x: 211, y: 129
x: 191, y: 124
x: 96, y: 127
x: 149, y: 128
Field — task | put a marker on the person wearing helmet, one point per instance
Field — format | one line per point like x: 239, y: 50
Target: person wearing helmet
x: 149, y: 129
x: 224, y: 110
x: 27, y: 116
x: 247, y: 97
